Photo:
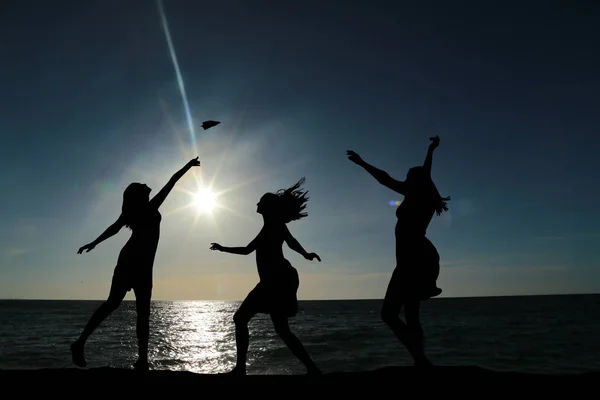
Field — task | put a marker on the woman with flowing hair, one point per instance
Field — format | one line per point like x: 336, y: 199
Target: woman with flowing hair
x: 417, y: 260
x: 276, y: 292
x: 135, y: 263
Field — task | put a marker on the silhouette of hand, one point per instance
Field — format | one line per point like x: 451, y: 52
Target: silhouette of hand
x: 216, y: 246
x: 88, y: 247
x: 435, y: 141
x: 194, y: 162
x: 355, y: 158
x: 312, y: 256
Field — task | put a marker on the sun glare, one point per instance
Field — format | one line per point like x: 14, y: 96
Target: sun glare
x: 205, y: 201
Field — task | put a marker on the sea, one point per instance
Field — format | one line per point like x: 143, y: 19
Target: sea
x: 532, y: 334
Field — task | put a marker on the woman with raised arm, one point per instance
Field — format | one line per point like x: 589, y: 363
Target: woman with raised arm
x: 135, y: 263
x: 417, y: 260
x: 275, y: 294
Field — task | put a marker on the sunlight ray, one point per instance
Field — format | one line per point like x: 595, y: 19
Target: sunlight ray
x: 184, y: 190
x: 195, y: 173
x: 178, y: 209
x: 166, y: 30
x: 227, y: 149
x: 248, y: 182
x: 176, y: 132
x: 234, y: 212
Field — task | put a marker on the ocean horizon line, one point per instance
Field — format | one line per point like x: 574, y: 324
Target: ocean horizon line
x: 308, y: 300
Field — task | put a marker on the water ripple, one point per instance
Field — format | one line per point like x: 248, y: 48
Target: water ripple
x: 549, y: 334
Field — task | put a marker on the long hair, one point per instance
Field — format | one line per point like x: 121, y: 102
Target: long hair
x: 440, y: 203
x: 427, y: 191
x: 292, y: 201
x: 132, y: 204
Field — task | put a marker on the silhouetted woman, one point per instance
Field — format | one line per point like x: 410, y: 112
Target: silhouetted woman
x: 275, y: 294
x: 417, y: 260
x: 135, y: 263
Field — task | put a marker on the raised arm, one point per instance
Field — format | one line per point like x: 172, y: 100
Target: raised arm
x: 297, y: 247
x: 109, y: 232
x: 160, y: 197
x: 242, y: 251
x: 381, y: 176
x: 435, y: 142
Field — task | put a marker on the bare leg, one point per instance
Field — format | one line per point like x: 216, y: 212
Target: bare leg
x: 143, y: 297
x: 390, y: 315
x: 117, y: 293
x: 282, y: 328
x: 241, y: 318
x: 411, y: 312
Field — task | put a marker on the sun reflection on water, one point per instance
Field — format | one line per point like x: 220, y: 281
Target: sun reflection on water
x: 194, y: 336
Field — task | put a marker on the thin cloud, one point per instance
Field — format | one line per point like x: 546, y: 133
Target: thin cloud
x: 16, y: 251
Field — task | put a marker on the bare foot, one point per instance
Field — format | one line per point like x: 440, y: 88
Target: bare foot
x: 77, y: 354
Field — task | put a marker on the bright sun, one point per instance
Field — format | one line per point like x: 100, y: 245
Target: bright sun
x: 205, y: 201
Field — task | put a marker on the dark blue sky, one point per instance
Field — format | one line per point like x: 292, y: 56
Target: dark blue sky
x: 89, y: 102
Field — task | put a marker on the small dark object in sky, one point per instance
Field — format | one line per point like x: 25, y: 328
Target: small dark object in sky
x: 209, y: 124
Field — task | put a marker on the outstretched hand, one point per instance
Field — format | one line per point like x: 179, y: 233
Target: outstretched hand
x: 355, y: 158
x: 435, y: 141
x: 88, y: 247
x: 216, y: 246
x: 312, y: 256
x: 194, y: 162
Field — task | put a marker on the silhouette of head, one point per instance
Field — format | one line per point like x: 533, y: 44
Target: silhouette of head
x: 415, y: 176
x: 267, y: 203
x: 423, y: 187
x: 135, y: 197
x: 285, y: 205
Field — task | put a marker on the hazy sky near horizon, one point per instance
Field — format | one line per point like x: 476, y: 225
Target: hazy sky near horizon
x: 89, y: 102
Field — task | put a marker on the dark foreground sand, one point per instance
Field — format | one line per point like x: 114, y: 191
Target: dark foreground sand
x: 435, y: 379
